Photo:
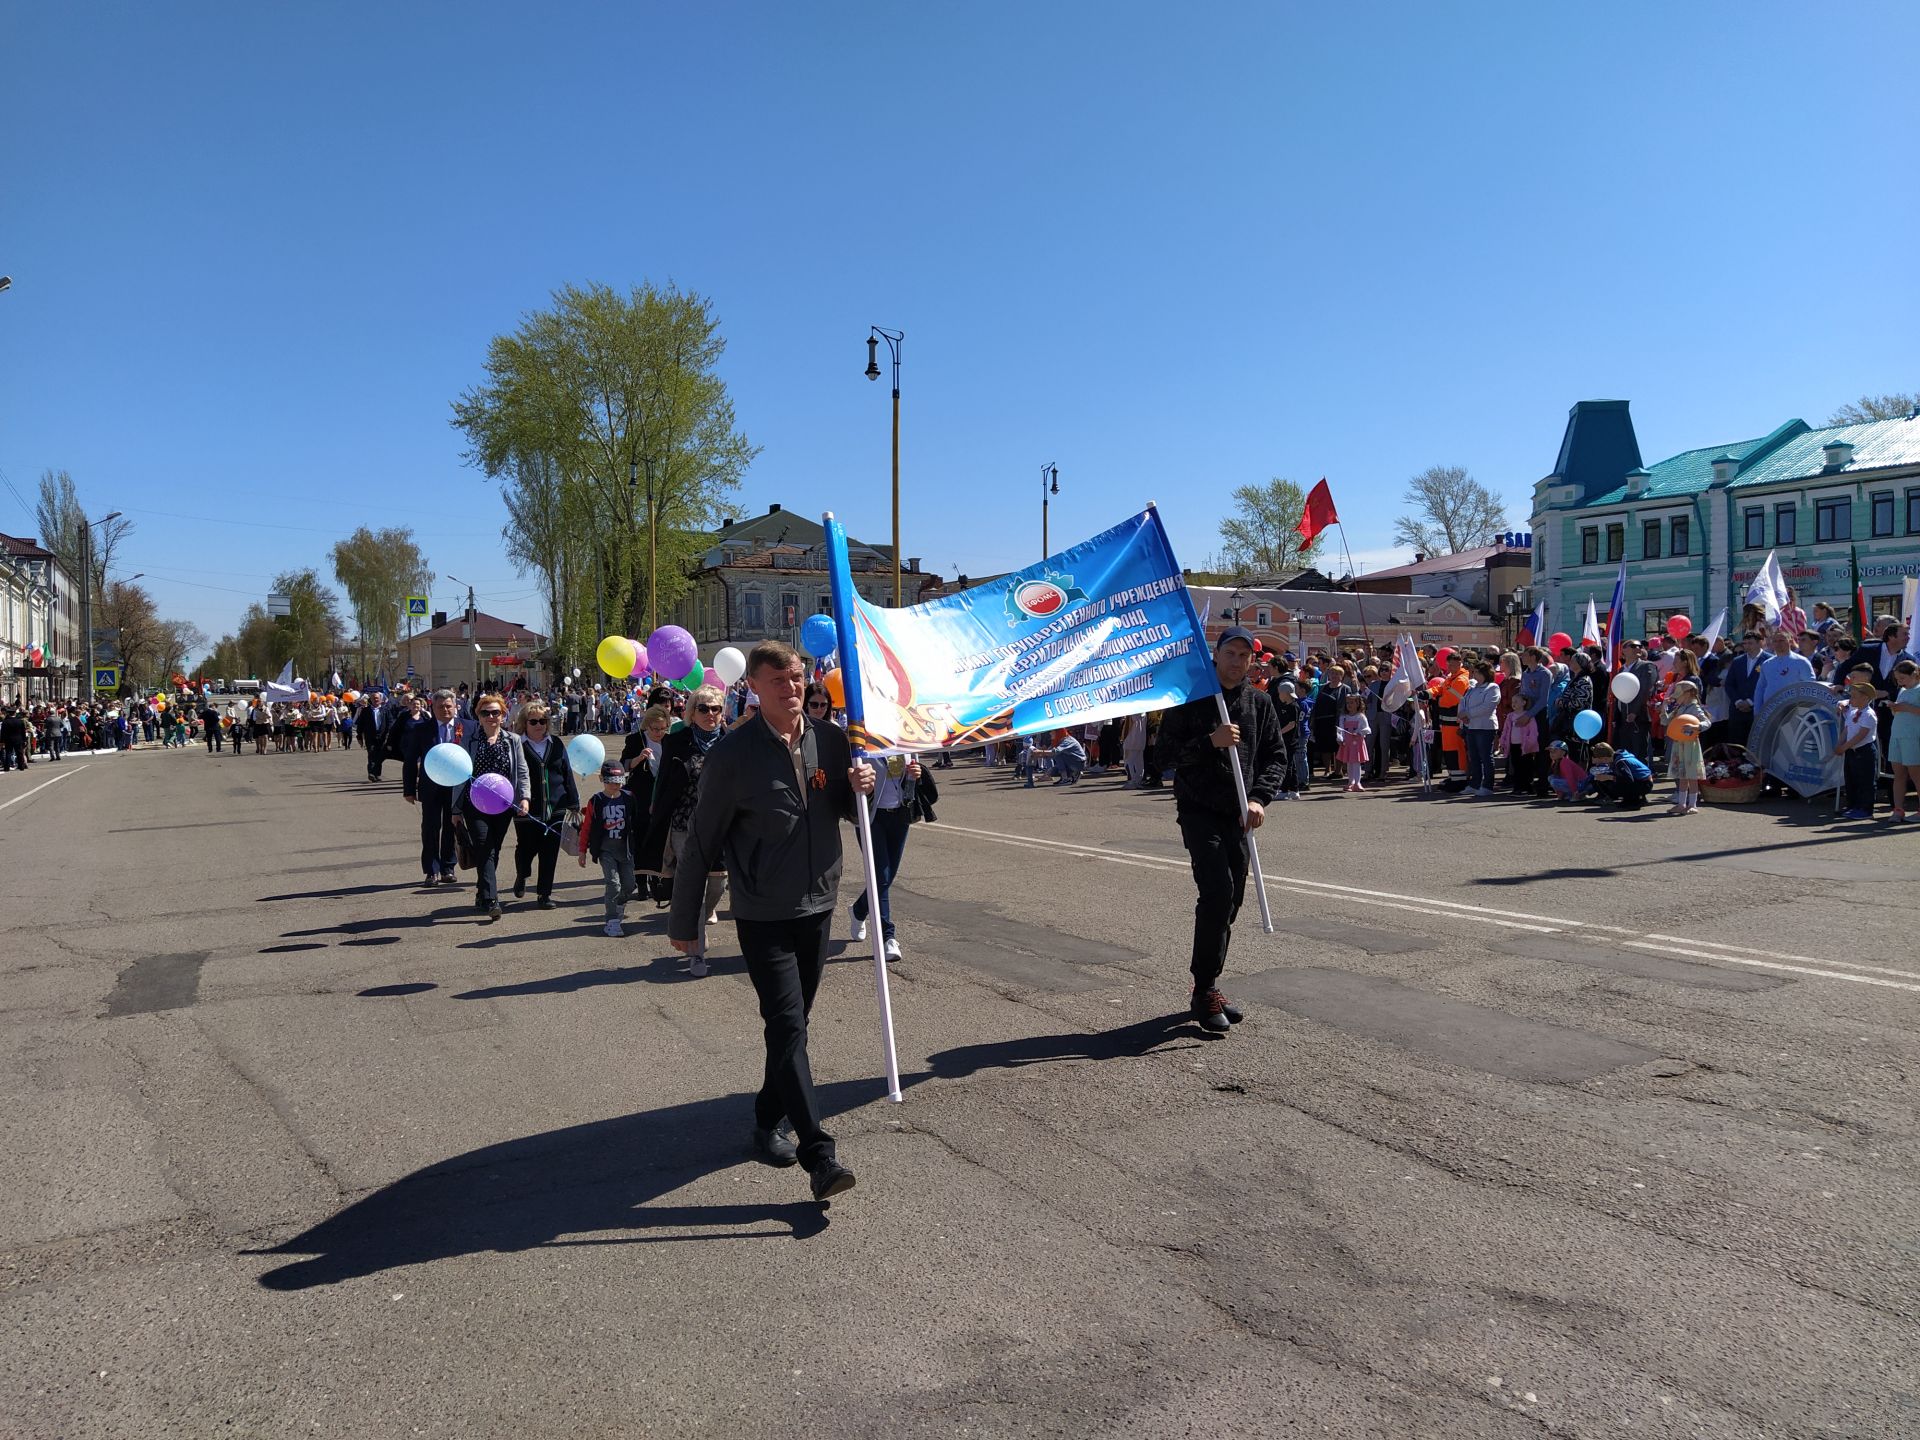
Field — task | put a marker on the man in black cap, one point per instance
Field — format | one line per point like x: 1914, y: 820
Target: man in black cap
x: 1213, y: 824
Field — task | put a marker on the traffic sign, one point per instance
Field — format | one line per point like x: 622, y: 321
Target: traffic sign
x: 106, y: 677
x: 416, y: 604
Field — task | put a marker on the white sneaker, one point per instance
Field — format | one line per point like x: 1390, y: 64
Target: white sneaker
x: 859, y: 927
x: 613, y: 929
x: 892, y: 948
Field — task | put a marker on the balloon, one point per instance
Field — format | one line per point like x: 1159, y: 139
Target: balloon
x: 576, y: 672
x: 1559, y: 641
x: 1685, y: 727
x: 353, y: 697
x: 616, y: 655
x: 672, y: 651
x: 693, y: 679
x: 586, y: 754
x: 730, y: 665
x: 819, y: 636
x: 836, y: 683
x: 1679, y: 627
x: 492, y: 794
x: 642, y: 662
x: 1588, y: 724
x: 159, y: 702
x: 1625, y: 687
x: 449, y: 765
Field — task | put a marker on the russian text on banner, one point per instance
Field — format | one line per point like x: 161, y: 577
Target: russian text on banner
x: 1102, y: 629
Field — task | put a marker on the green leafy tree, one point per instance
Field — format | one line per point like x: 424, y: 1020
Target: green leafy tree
x: 310, y: 633
x: 1263, y: 537
x: 1876, y: 407
x: 1450, y: 511
x: 378, y: 569
x: 614, y: 401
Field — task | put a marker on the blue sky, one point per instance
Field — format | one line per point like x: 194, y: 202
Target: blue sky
x: 258, y: 249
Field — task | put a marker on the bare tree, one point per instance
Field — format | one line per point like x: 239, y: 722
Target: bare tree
x: 1876, y: 407
x: 62, y: 521
x: 1451, y: 511
x: 1264, y: 538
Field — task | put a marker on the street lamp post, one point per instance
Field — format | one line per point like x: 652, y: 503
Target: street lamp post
x: 1049, y: 485
x: 86, y: 595
x: 466, y: 633
x: 875, y: 335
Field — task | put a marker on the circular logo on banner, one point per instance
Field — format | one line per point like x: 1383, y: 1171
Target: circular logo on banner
x: 1041, y: 599
x: 1794, y: 735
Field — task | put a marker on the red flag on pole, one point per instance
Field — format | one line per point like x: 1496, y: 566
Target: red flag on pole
x: 1319, y: 513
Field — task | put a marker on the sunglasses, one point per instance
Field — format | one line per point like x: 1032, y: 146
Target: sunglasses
x: 711, y: 709
x: 532, y: 723
x: 817, y: 704
x: 491, y: 714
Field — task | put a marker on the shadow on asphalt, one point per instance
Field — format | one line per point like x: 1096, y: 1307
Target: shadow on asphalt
x: 563, y: 1186
x: 340, y: 892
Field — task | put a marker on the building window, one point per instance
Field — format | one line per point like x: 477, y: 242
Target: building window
x: 1616, y: 543
x: 1650, y: 540
x: 1680, y: 536
x: 1913, y: 512
x: 789, y: 610
x: 1263, y: 617
x: 1756, y: 519
x: 1589, y: 546
x: 1884, y: 607
x: 1654, y: 622
x: 1833, y: 519
x: 824, y: 605
x: 1786, y: 525
x: 1883, y: 514
x: 753, y: 617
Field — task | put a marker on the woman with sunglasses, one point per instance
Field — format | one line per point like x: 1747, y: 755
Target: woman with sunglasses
x: 683, y: 755
x: 495, y: 751
x: 553, y: 797
x: 819, y: 704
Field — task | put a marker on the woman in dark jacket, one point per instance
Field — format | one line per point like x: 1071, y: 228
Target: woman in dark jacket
x: 1329, y: 704
x: 1576, y: 697
x: 683, y: 754
x: 554, y: 795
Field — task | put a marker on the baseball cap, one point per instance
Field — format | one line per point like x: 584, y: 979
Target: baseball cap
x: 613, y: 770
x: 1231, y: 633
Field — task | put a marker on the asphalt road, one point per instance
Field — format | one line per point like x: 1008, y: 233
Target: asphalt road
x: 1541, y: 1123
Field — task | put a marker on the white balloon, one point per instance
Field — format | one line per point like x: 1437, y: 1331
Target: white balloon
x: 1625, y: 687
x: 730, y: 665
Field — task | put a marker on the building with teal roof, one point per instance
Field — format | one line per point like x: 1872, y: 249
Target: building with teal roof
x: 1695, y: 528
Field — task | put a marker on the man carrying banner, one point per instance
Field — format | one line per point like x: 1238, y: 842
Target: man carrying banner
x: 772, y: 795
x: 1214, y: 827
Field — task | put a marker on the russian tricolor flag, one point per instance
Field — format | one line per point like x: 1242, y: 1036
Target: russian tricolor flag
x: 1535, y: 628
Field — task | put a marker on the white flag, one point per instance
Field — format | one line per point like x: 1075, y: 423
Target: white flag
x: 1718, y: 628
x: 1590, y: 629
x: 335, y: 683
x: 286, y: 674
x: 1909, y: 605
x: 1408, y: 676
x: 1769, y: 588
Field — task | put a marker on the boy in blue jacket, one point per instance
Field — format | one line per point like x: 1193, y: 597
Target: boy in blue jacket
x: 1620, y: 776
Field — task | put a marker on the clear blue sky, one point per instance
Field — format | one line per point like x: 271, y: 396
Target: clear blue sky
x: 257, y: 249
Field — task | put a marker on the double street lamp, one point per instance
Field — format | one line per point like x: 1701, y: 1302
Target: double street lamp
x: 875, y: 335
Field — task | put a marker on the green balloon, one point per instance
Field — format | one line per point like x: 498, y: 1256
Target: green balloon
x: 693, y: 679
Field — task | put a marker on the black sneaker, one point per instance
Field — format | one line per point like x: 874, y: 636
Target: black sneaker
x: 776, y: 1146
x: 493, y: 911
x: 831, y: 1178
x: 1209, y: 1007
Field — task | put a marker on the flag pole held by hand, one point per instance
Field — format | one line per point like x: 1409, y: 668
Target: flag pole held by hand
x: 1253, y: 845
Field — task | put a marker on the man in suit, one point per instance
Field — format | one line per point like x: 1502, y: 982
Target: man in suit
x: 441, y: 727
x: 1632, y: 729
x: 1881, y: 656
x: 367, y: 726
x: 1741, y: 673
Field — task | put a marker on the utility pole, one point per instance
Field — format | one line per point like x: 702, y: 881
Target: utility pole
x: 86, y: 595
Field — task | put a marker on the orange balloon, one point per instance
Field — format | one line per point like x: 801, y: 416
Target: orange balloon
x: 836, y: 689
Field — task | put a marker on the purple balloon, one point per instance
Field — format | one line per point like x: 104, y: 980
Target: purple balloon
x: 492, y: 794
x: 671, y: 652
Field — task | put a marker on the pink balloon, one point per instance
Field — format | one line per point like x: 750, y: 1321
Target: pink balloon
x: 640, y: 665
x: 492, y: 794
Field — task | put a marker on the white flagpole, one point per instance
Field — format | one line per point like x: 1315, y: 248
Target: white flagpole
x: 1253, y: 846
x: 876, y: 932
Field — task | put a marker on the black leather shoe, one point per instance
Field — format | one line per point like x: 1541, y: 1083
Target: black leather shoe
x: 545, y: 902
x: 776, y: 1146
x: 493, y: 911
x: 519, y: 887
x: 831, y: 1178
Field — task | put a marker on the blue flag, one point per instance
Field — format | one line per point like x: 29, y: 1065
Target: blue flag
x: 1103, y: 629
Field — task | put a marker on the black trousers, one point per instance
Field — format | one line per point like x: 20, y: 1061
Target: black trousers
x: 531, y: 843
x: 1862, y: 776
x: 1217, y: 846
x: 14, y: 754
x: 485, y: 834
x: 785, y: 959
x: 213, y: 737
x: 436, y: 829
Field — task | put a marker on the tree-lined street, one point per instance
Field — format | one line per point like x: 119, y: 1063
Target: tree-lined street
x: 1538, y: 1124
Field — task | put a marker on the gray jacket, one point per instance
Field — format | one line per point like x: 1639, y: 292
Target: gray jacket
x: 780, y: 849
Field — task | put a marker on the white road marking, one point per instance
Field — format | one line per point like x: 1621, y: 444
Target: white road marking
x: 1487, y: 915
x: 28, y: 795
x: 1769, y: 965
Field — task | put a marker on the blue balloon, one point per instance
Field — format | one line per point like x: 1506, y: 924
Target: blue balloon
x: 586, y: 754
x: 449, y: 765
x: 1588, y: 724
x: 819, y: 636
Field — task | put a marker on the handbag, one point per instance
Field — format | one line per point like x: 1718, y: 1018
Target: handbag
x: 462, y: 851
